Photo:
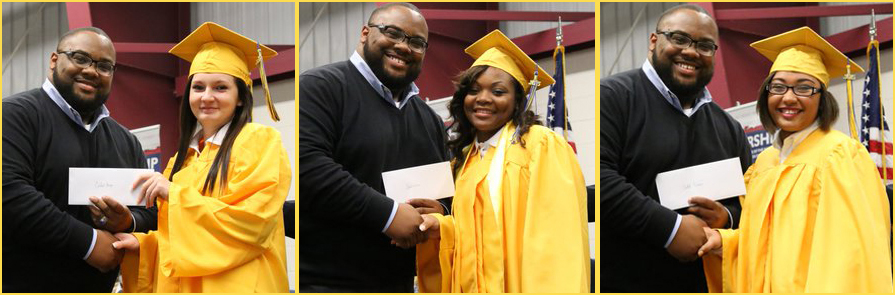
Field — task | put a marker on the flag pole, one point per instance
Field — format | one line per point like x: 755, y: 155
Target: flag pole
x: 882, y: 118
x: 559, y: 48
x: 851, y: 105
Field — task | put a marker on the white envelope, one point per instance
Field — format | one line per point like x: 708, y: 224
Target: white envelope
x: 432, y: 181
x: 114, y: 182
x: 716, y: 180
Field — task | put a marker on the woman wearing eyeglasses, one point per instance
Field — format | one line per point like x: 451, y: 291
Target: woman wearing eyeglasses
x: 815, y: 217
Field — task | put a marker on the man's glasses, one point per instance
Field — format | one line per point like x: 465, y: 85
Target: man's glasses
x: 682, y: 41
x: 396, y: 35
x: 84, y: 61
x: 798, y: 90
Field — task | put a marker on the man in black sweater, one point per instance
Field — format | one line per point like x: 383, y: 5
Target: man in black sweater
x: 359, y: 118
x: 656, y: 119
x: 49, y: 246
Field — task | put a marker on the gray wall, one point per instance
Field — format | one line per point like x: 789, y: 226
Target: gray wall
x: 616, y: 21
x: 268, y: 23
x: 38, y: 27
x: 519, y: 28
x: 837, y: 24
x: 335, y: 34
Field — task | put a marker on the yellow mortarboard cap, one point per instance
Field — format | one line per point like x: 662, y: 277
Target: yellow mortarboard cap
x: 803, y: 50
x: 212, y: 48
x: 498, y: 51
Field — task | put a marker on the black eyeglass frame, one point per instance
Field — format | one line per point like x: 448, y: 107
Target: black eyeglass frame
x: 71, y: 53
x: 690, y: 42
x: 403, y: 37
x: 814, y: 90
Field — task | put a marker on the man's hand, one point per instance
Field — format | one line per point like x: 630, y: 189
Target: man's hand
x: 426, y: 206
x: 713, y: 245
x: 431, y: 227
x: 713, y: 213
x: 104, y: 257
x: 110, y: 215
x: 689, y: 238
x: 404, y: 230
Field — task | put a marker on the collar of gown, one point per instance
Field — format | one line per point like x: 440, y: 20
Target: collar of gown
x: 792, y: 141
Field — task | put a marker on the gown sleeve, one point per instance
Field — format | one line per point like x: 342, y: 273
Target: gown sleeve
x: 720, y: 271
x: 207, y: 235
x: 435, y: 258
x: 850, y: 242
x: 555, y: 255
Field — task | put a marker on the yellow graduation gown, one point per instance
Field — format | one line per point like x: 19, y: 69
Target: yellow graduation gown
x: 818, y: 222
x: 232, y: 241
x: 540, y: 243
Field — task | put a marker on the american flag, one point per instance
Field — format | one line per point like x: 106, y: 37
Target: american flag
x: 872, y: 111
x: 557, y: 113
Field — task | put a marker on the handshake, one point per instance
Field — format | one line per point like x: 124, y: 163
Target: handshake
x: 111, y: 220
x: 696, y: 235
x: 411, y: 226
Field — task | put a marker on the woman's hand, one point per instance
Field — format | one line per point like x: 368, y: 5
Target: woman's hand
x: 154, y: 185
x: 126, y: 241
x: 713, y: 245
x: 431, y: 227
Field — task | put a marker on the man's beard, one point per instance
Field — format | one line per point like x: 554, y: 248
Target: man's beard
x: 82, y: 105
x: 683, y: 91
x: 376, y: 61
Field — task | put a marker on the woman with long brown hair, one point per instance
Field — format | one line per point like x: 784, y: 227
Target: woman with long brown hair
x: 220, y: 223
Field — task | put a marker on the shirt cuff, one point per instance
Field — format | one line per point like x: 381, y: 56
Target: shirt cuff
x: 134, y: 222
x: 729, y: 223
x: 391, y: 217
x: 677, y: 225
x: 92, y: 243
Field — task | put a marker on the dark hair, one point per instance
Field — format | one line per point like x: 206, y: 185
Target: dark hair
x: 827, y: 110
x: 464, y: 128
x: 68, y: 34
x: 692, y: 7
x: 390, y: 5
x: 242, y: 115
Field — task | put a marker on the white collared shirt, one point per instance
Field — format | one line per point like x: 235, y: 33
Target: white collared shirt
x: 380, y: 88
x: 483, y: 147
x: 69, y: 111
x: 792, y: 141
x: 217, y: 138
x: 704, y: 98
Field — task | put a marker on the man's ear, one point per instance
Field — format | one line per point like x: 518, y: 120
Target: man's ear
x: 653, y: 38
x: 364, y: 33
x: 53, y: 58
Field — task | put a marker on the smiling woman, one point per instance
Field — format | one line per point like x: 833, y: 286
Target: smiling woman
x: 222, y: 195
x: 814, y: 216
x: 516, y: 182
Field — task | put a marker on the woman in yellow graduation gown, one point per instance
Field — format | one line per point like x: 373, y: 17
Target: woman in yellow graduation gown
x: 220, y: 223
x: 815, y: 217
x: 518, y: 219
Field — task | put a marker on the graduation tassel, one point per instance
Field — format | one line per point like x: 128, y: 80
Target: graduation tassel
x: 270, y: 106
x: 529, y: 100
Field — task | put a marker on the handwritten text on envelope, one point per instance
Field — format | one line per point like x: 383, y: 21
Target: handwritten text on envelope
x: 715, y: 180
x: 114, y: 182
x: 432, y: 181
